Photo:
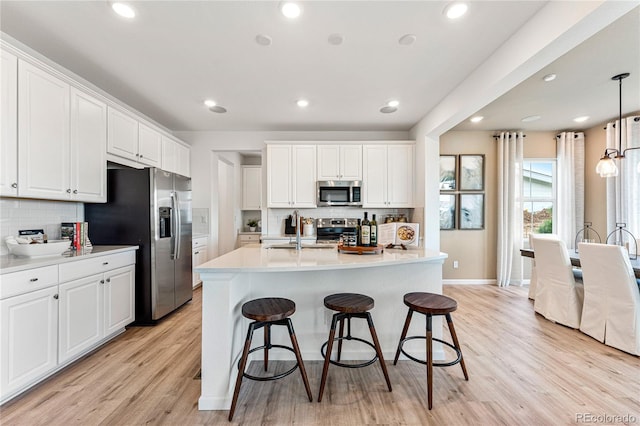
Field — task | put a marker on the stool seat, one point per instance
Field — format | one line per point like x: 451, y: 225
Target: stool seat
x: 350, y: 303
x: 268, y: 309
x: 430, y: 303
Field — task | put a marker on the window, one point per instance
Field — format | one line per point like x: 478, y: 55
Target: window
x: 538, y: 196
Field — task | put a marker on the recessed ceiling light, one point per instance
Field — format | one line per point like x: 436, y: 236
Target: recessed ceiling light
x: 209, y: 103
x: 335, y: 39
x: 302, y: 103
x: 123, y: 10
x: 263, y: 40
x: 549, y: 77
x: 290, y: 9
x: 531, y: 118
x: 456, y: 10
x: 388, y: 109
x: 476, y: 119
x: 581, y: 119
x: 393, y: 103
x: 219, y: 109
x: 407, y: 39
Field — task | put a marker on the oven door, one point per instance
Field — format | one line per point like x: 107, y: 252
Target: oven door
x: 334, y: 195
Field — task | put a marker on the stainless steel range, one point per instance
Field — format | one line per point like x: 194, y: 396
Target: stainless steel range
x: 330, y: 229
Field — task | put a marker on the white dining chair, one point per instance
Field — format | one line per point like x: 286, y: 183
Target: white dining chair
x: 558, y: 296
x: 611, y: 312
x: 534, y: 275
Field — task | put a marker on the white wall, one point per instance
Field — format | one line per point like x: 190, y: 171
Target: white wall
x: 206, y: 146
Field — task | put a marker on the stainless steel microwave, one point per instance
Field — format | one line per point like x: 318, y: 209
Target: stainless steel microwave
x: 339, y: 193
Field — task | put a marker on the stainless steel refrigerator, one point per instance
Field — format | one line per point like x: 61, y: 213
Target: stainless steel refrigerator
x: 150, y: 208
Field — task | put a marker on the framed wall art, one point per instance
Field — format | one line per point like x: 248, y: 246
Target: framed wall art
x: 471, y: 172
x: 448, y: 172
x: 471, y: 212
x: 447, y: 211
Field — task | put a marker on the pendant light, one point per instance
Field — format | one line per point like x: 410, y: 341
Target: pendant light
x: 607, y: 167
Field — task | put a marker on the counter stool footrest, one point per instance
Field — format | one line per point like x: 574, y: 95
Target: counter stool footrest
x: 435, y: 364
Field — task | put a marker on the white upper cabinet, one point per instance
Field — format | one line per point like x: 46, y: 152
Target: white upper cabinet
x: 388, y: 176
x: 291, y: 176
x: 340, y: 162
x: 149, y: 146
x: 88, y: 148
x: 43, y: 134
x: 251, y: 187
x: 9, y: 124
x: 176, y: 157
x: 122, y: 136
x: 133, y: 140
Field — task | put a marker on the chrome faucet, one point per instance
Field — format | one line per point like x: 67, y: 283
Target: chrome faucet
x: 296, y: 221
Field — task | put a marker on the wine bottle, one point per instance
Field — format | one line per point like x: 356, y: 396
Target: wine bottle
x: 374, y: 231
x: 358, y: 234
x: 365, y: 231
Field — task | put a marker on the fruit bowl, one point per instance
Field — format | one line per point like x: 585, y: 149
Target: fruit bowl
x: 52, y: 248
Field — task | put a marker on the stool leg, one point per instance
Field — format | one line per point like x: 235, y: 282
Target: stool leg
x: 241, y: 367
x: 376, y: 343
x: 340, y: 334
x: 267, y: 344
x: 457, y: 345
x: 429, y: 362
x: 403, y: 335
x: 296, y: 349
x: 325, y: 369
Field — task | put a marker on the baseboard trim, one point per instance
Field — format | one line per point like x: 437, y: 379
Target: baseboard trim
x: 469, y: 282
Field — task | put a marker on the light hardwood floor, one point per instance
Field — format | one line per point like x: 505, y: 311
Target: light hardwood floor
x: 523, y: 370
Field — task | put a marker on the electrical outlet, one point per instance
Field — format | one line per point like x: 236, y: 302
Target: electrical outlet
x: 455, y: 264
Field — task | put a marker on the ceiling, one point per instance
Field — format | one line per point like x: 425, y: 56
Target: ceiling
x: 176, y: 54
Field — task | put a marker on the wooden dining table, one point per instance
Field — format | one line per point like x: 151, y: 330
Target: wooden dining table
x: 575, y: 260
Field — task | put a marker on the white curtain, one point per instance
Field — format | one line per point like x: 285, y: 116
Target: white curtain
x: 510, y: 232
x: 623, y: 191
x: 570, y: 189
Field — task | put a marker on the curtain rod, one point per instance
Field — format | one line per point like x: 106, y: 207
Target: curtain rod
x: 508, y: 136
x: 636, y: 119
x: 575, y: 135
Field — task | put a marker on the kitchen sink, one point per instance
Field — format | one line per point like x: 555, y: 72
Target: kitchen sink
x: 304, y: 246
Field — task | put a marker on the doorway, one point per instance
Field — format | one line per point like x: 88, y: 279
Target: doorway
x: 226, y: 214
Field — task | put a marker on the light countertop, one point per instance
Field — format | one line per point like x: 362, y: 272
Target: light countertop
x: 258, y: 258
x: 10, y: 263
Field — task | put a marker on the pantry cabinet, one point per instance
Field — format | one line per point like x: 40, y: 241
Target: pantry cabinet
x: 8, y: 126
x: 251, y: 187
x: 291, y: 176
x: 388, y: 176
x: 339, y: 162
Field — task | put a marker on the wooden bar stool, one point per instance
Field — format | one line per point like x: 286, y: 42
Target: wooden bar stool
x: 431, y: 304
x: 349, y: 305
x: 265, y: 313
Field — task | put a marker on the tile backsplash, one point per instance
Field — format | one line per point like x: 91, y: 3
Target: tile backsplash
x: 18, y: 214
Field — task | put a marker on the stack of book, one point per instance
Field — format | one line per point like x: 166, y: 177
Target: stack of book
x: 77, y: 233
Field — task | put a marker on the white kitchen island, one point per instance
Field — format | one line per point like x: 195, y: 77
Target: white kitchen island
x: 306, y: 277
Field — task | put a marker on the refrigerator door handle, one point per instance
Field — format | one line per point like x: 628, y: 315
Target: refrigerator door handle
x: 178, y: 228
x: 174, y: 226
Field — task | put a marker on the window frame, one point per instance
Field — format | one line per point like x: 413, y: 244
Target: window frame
x: 529, y: 199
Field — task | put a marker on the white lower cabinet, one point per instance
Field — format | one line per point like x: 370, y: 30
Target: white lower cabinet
x: 92, y: 308
x: 45, y: 325
x: 29, y: 348
x: 199, y: 255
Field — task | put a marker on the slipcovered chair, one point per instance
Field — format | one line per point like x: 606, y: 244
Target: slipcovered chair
x: 611, y: 312
x: 534, y: 275
x: 558, y: 295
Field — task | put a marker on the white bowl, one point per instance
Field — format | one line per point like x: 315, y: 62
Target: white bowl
x: 52, y: 248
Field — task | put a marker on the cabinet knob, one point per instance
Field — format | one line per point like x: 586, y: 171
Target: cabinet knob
x: 33, y: 280
x: 141, y: 155
x: 137, y: 155
x: 101, y: 281
x: 197, y: 252
x: 14, y: 185
x: 108, y: 280
x: 68, y: 190
x: 105, y: 263
x: 75, y: 191
x: 55, y: 296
